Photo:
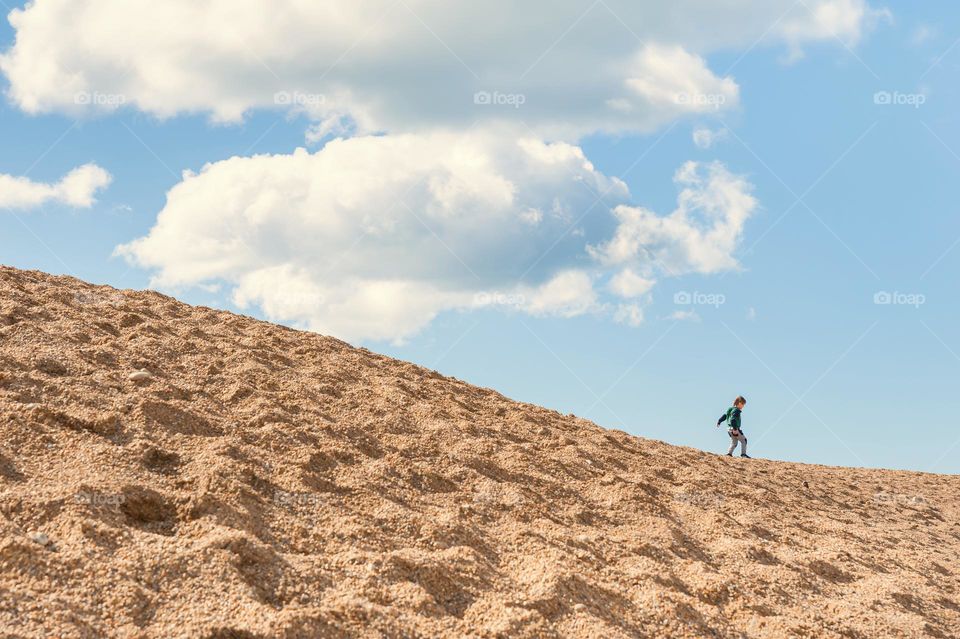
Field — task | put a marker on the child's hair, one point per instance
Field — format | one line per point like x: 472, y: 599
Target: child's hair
x: 740, y: 400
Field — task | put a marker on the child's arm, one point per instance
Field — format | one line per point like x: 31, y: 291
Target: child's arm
x: 722, y: 419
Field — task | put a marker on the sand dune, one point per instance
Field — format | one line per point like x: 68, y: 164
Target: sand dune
x: 256, y: 481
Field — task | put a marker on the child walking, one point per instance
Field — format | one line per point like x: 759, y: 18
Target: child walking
x: 732, y: 417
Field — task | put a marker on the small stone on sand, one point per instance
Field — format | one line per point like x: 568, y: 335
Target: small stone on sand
x: 39, y: 538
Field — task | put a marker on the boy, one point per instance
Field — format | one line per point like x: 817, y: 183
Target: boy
x: 736, y: 434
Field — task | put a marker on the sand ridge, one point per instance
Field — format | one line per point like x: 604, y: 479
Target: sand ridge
x: 257, y: 481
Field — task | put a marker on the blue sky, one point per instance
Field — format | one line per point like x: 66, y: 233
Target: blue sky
x: 853, y: 198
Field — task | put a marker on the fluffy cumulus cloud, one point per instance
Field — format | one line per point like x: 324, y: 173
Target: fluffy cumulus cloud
x: 564, y: 68
x: 78, y: 188
x: 372, y: 237
x: 699, y: 236
x: 842, y: 20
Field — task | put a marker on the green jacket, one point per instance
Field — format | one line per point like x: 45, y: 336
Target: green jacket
x: 732, y: 414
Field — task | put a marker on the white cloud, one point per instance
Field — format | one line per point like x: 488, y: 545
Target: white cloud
x: 379, y: 65
x: 629, y: 314
x: 672, y: 80
x: 77, y: 188
x: 751, y: 314
x: 705, y: 138
x: 335, y: 125
x: 568, y: 294
x: 700, y: 236
x: 845, y: 21
x: 378, y: 308
x: 372, y: 237
x: 628, y: 284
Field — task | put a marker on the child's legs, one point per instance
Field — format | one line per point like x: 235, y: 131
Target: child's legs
x: 737, y: 436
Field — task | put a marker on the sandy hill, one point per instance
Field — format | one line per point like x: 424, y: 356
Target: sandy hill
x: 256, y: 481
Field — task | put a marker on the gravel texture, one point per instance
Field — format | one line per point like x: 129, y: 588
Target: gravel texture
x: 175, y: 471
